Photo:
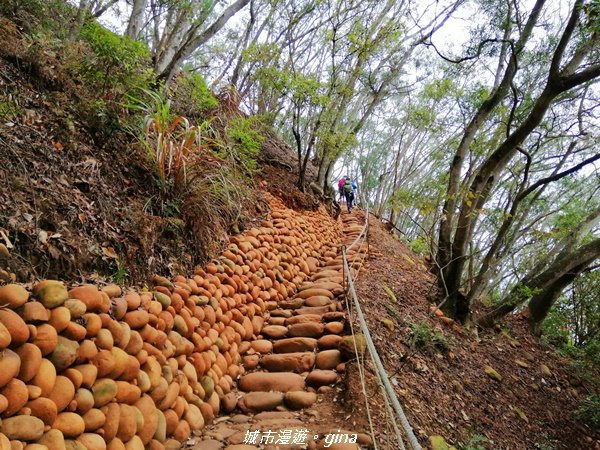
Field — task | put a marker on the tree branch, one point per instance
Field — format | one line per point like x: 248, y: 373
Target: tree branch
x: 564, y: 40
x: 557, y: 176
x: 97, y: 13
x: 185, y: 50
x: 470, y: 57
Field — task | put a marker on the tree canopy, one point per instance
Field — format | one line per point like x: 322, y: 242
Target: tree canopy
x: 471, y: 125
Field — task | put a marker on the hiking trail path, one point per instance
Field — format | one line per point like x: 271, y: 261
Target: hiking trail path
x: 290, y: 396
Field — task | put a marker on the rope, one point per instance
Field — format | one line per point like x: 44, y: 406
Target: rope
x: 359, y: 362
x: 362, y: 377
x: 379, y: 369
x: 381, y: 373
x: 360, y: 235
x: 388, y: 408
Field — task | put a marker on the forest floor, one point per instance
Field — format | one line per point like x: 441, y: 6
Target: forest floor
x: 440, y: 371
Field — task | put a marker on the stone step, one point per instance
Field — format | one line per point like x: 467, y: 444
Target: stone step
x: 333, y: 287
x: 329, y: 341
x: 283, y: 362
x: 267, y: 403
x: 262, y: 346
x: 334, y: 327
x: 338, y: 278
x: 260, y: 401
x: 320, y: 377
x: 299, y: 399
x: 303, y: 318
x: 334, y: 264
x: 277, y: 321
x: 250, y: 362
x: 292, y: 304
x: 315, y: 309
x: 307, y: 329
x: 271, y: 381
x: 274, y: 331
x: 328, y: 359
x: 298, y: 356
x: 297, y: 344
x: 312, y: 291
x: 325, y: 274
x: 317, y: 300
x: 334, y: 316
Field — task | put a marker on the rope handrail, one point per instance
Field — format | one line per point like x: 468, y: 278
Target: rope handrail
x: 364, y: 229
x: 362, y: 379
x: 379, y: 368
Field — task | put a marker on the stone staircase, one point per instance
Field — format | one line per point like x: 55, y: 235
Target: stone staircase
x: 293, y: 369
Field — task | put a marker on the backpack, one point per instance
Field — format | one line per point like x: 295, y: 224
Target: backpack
x: 348, y: 186
x: 341, y: 183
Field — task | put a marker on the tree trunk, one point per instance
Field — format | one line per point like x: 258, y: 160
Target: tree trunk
x: 326, y: 186
x: 505, y: 45
x: 539, y: 286
x: 487, y: 173
x: 136, y: 19
x: 190, y: 45
x: 82, y: 11
x: 241, y: 46
x: 488, y: 262
x: 450, y: 253
x: 540, y: 304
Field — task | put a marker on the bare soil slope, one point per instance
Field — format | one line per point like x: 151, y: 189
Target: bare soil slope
x: 440, y: 369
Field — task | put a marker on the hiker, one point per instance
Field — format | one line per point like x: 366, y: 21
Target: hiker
x: 349, y: 188
x: 341, y: 187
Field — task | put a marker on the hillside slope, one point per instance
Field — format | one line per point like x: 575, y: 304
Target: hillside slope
x: 440, y: 369
x: 79, y: 197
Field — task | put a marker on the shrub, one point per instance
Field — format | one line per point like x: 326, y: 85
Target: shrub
x: 200, y: 192
x: 419, y: 246
x: 589, y: 412
x: 555, y: 331
x: 120, y: 275
x: 546, y: 444
x: 192, y: 96
x: 215, y: 194
x: 114, y: 62
x: 170, y: 142
x: 244, y: 142
x: 194, y: 181
x: 40, y: 16
x: 9, y: 109
x: 473, y: 443
x: 427, y: 339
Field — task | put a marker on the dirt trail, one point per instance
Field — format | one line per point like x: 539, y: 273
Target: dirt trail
x: 290, y: 397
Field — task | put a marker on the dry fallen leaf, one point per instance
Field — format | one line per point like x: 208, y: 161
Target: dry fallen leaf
x: 109, y: 252
x: 9, y: 244
x: 43, y: 236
